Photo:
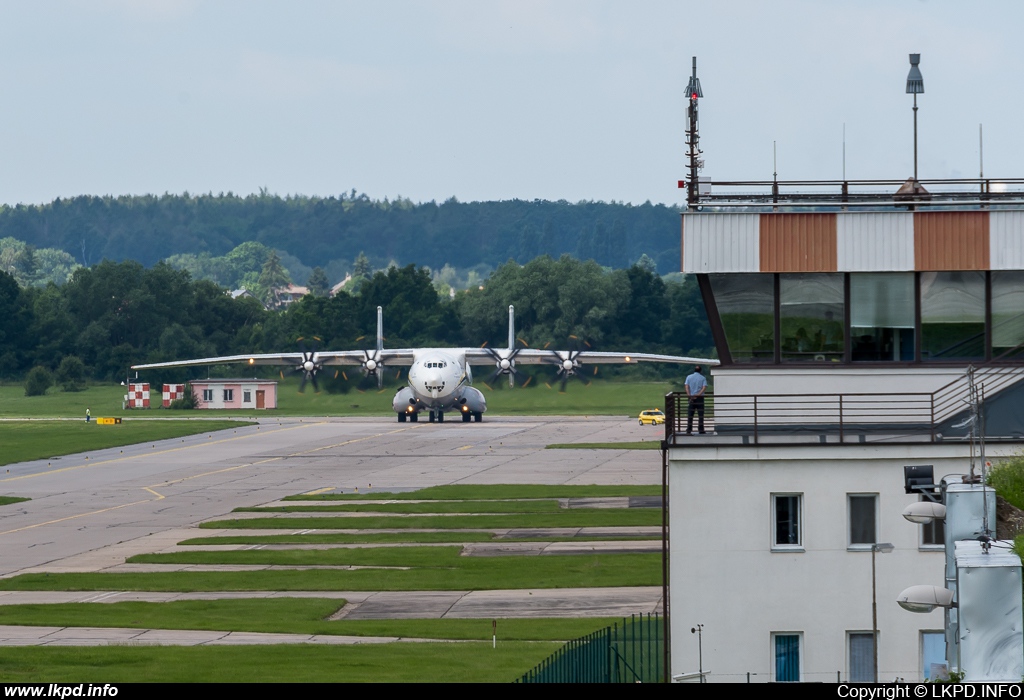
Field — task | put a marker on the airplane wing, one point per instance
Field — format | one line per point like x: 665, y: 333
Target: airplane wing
x: 321, y: 357
x: 529, y: 356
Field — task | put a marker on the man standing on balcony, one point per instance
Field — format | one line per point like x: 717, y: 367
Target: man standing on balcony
x: 696, y: 385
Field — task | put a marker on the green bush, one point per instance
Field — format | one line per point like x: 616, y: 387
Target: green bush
x: 1007, y: 478
x: 71, y: 374
x: 38, y: 381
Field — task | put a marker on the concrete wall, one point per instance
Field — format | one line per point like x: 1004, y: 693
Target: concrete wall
x: 725, y: 575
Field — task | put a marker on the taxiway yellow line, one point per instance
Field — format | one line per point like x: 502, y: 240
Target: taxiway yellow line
x: 72, y: 517
x: 159, y: 496
x: 147, y: 454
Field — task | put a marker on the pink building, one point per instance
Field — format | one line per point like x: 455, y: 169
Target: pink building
x: 235, y: 393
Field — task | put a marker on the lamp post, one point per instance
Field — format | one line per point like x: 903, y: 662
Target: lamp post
x: 915, y: 86
x: 700, y: 649
x: 883, y: 547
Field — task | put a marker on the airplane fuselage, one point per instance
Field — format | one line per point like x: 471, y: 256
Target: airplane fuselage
x: 439, y: 382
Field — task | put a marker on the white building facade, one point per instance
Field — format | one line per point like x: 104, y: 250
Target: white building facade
x: 845, y: 340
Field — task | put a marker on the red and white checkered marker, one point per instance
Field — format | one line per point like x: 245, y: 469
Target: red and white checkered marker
x: 138, y: 396
x: 172, y: 392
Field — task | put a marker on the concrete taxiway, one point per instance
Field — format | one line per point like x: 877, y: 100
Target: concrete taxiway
x: 89, y: 512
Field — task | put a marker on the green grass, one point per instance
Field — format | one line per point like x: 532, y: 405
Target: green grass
x: 473, y: 492
x: 458, y: 536
x: 288, y: 616
x: 574, y: 517
x: 1007, y: 478
x: 343, y: 538
x: 599, y: 398
x: 28, y: 440
x: 445, y: 571
x: 473, y: 662
x: 644, y: 445
x: 7, y: 500
x: 491, y: 506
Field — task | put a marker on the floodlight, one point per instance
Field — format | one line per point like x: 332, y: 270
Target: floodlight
x: 925, y: 598
x: 924, y: 512
x: 915, y: 81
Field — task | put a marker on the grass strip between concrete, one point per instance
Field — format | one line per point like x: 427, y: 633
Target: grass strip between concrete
x: 288, y: 616
x: 485, y: 492
x: 445, y: 662
x: 465, y: 573
x: 577, y: 517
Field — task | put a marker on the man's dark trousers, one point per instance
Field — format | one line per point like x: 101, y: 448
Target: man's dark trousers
x: 696, y: 404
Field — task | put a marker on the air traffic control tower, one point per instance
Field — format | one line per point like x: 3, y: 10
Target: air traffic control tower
x: 862, y: 327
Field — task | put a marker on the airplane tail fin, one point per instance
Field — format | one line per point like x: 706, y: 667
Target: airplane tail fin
x: 380, y: 330
x: 511, y: 328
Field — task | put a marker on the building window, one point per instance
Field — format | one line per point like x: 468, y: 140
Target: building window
x: 229, y: 394
x: 246, y: 397
x: 746, y: 306
x: 933, y: 534
x: 1007, y: 314
x: 207, y: 395
x: 786, y: 650
x: 933, y: 655
x: 811, y: 317
x: 863, y: 510
x: 953, y: 315
x: 882, y: 308
x: 862, y: 657
x: 787, y: 521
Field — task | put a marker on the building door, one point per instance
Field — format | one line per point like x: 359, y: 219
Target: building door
x: 261, y: 398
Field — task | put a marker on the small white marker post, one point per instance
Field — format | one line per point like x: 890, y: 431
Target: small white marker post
x: 494, y: 634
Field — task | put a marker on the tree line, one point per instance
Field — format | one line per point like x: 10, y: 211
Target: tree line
x: 327, y: 232
x: 115, y: 314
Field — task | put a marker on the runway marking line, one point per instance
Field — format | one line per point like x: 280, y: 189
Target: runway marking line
x: 187, y: 478
x: 148, y: 454
x: 72, y: 517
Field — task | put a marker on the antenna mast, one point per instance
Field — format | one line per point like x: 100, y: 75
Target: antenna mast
x: 693, y: 92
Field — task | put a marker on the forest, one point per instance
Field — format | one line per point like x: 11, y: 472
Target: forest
x: 329, y: 232
x: 117, y: 313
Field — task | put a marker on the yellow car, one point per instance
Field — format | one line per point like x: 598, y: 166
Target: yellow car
x: 652, y: 417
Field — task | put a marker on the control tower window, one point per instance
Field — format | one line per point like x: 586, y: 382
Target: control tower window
x: 1007, y: 314
x: 882, y: 316
x: 953, y: 315
x: 811, y: 317
x: 746, y: 305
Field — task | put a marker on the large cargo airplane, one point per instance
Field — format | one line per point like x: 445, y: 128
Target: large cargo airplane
x: 440, y: 379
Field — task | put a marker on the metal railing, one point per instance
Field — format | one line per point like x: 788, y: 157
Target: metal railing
x: 943, y: 192
x: 628, y: 653
x: 923, y: 414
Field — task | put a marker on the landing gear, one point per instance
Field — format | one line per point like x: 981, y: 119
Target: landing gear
x: 401, y: 417
x: 437, y: 416
x: 414, y: 417
x: 478, y: 416
x: 466, y: 417
x: 433, y: 417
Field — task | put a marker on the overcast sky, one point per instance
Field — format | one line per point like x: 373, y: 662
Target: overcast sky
x: 491, y: 99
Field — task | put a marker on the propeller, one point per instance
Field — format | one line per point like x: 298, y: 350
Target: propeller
x: 373, y: 365
x: 568, y: 363
x: 505, y: 364
x: 309, y: 365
